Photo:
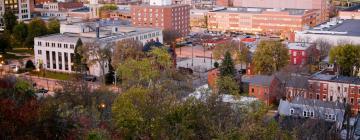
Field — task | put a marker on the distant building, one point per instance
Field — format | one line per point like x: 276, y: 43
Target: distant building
x: 162, y: 14
x: 321, y: 5
x: 334, y: 32
x: 261, y: 20
x: 350, y: 13
x: 56, y: 52
x: 295, y: 86
x: 198, y: 18
x: 313, y: 109
x: 21, y: 9
x: 225, y: 3
x: 57, y: 10
x: 263, y: 87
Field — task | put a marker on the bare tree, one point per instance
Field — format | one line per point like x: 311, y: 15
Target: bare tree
x: 324, y: 47
x: 126, y: 49
x: 97, y: 54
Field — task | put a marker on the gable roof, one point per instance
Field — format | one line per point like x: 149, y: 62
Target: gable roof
x: 263, y: 80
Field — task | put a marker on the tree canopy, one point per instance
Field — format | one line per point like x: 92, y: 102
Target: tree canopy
x: 20, y: 32
x: 53, y: 26
x: 9, y: 20
x: 36, y: 27
x: 347, y: 57
x: 270, y: 56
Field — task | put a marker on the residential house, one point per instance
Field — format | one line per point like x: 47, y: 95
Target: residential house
x: 313, y: 109
x: 296, y: 86
x: 335, y: 88
x: 303, y: 53
x: 263, y: 87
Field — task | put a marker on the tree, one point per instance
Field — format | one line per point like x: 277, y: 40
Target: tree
x: 227, y: 67
x: 9, y: 20
x: 347, y: 57
x: 5, y: 42
x: 96, y: 54
x: 126, y: 49
x: 170, y: 36
x: 53, y: 26
x: 324, y: 47
x: 29, y: 65
x: 270, y: 56
x: 227, y: 85
x: 36, y: 27
x: 79, y: 61
x: 20, y: 32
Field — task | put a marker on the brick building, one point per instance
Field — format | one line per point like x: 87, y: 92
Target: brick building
x: 321, y: 5
x: 166, y: 16
x: 301, y: 52
x: 335, y: 88
x: 255, y: 20
x: 263, y: 87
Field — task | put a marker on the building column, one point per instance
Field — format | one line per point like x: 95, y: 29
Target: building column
x: 69, y: 61
x: 51, y: 59
x: 63, y: 61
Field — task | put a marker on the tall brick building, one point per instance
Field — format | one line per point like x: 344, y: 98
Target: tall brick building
x: 162, y: 14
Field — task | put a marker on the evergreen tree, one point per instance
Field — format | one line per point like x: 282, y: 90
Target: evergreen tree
x: 78, y: 58
x: 227, y: 67
x: 20, y: 32
x: 36, y: 27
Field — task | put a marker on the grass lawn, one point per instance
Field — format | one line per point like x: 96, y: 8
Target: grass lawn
x: 22, y: 50
x: 52, y: 75
x: 11, y: 56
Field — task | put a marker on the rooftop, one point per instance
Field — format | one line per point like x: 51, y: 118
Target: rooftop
x: 349, y: 27
x: 336, y: 78
x: 317, y: 103
x: 298, y: 46
x: 263, y: 80
x: 260, y: 10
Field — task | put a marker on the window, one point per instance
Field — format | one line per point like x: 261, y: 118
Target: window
x: 295, y: 61
x: 351, y: 100
x: 312, y: 114
x: 65, y: 46
x: 303, y: 53
x: 39, y: 43
x: 47, y: 44
x: 52, y: 44
x: 291, y: 111
x: 39, y: 52
x: 54, y: 59
x: 71, y: 46
x: 339, y: 88
x: 59, y: 45
x: 317, y: 96
x: 358, y: 100
x: 294, y: 54
x: 252, y: 90
x: 345, y: 89
x: 304, y: 113
x: 331, y: 98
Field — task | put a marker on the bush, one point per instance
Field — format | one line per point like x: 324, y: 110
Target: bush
x: 29, y: 65
x: 216, y: 64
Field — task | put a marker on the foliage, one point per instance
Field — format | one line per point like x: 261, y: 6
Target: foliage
x: 216, y: 64
x: 270, y: 56
x: 126, y: 49
x: 79, y: 61
x: 227, y: 67
x: 36, y: 27
x: 9, y: 20
x: 53, y: 26
x: 110, y: 7
x: 5, y: 42
x: 109, y: 78
x: 29, y: 65
x: 20, y: 32
x: 170, y: 36
x: 347, y: 57
x: 227, y: 85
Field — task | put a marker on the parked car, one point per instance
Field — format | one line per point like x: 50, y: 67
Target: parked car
x: 90, y: 78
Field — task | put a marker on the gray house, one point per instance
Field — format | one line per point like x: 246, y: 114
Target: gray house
x: 313, y: 109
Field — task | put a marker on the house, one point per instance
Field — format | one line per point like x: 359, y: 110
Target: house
x: 303, y: 53
x: 296, y: 86
x: 335, y: 88
x: 263, y: 87
x: 313, y: 109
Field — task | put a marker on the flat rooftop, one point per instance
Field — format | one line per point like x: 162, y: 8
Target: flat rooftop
x: 349, y: 27
x: 257, y: 10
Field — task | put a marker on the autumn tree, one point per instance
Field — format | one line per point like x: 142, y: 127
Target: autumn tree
x: 170, y: 36
x: 126, y: 49
x: 5, y: 42
x: 347, y: 57
x: 324, y: 47
x: 270, y: 56
x: 53, y: 26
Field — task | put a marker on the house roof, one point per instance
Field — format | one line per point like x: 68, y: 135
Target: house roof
x: 336, y: 78
x: 263, y: 80
x: 298, y: 46
x: 317, y: 103
x: 297, y: 82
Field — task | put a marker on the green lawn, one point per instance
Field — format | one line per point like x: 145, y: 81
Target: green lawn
x: 52, y: 75
x: 11, y: 56
x: 22, y: 50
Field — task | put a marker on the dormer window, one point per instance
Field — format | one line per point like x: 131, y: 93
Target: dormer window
x: 292, y: 111
x: 116, y: 29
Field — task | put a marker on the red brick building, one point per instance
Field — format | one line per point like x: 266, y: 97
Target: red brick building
x: 225, y: 3
x: 263, y: 87
x: 168, y: 17
x: 300, y: 52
